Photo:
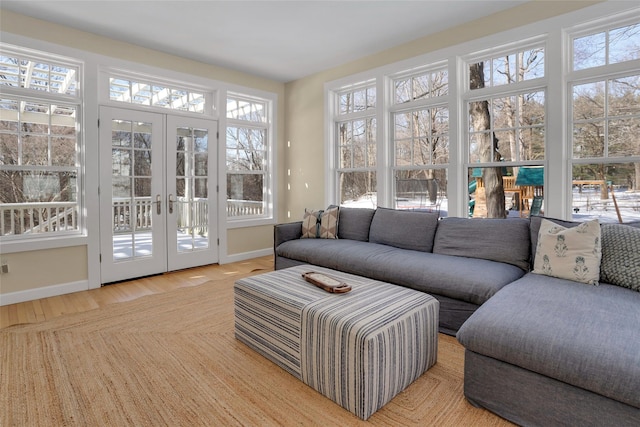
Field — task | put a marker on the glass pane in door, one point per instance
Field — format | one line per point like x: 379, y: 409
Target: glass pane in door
x: 191, y: 204
x: 131, y: 189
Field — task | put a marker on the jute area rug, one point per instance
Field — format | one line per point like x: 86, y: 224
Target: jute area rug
x: 171, y: 359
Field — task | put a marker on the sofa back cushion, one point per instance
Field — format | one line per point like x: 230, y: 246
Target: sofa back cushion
x: 355, y: 223
x: 502, y: 240
x: 404, y: 229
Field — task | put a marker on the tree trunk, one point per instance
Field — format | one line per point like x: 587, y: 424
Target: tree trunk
x: 481, y: 121
x: 636, y: 181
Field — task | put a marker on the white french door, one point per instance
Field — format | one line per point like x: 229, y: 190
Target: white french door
x: 157, y: 193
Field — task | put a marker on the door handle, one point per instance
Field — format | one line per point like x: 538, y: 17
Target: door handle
x: 158, y: 205
x: 171, y: 203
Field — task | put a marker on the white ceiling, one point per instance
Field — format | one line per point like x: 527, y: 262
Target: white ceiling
x: 280, y: 40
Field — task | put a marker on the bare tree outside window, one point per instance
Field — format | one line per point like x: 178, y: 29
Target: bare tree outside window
x: 487, y: 147
x: 421, y: 140
x: 357, y: 148
x: 606, y: 126
x: 508, y: 127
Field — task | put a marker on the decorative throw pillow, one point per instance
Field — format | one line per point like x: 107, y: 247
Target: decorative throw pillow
x: 310, y: 224
x: 329, y: 223
x: 569, y: 253
x: 621, y: 256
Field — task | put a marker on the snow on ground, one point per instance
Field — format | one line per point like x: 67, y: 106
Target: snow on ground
x: 586, y: 205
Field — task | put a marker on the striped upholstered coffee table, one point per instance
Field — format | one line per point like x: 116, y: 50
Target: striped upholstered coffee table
x: 359, y: 349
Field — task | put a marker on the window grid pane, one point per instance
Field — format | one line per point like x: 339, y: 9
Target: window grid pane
x: 509, y: 68
x: 38, y: 168
x: 37, y: 75
x: 606, y: 47
x: 357, y: 100
x: 606, y: 118
x: 515, y: 131
x: 423, y: 86
x: 245, y: 109
x: 155, y: 95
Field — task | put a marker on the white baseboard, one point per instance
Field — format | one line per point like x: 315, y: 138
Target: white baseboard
x: 83, y: 285
x: 44, y: 292
x: 246, y: 255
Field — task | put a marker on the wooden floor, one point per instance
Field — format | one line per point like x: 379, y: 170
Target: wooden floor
x: 48, y: 308
x: 448, y: 371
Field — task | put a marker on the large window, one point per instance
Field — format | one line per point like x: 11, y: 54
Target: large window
x: 356, y: 131
x: 421, y: 140
x: 40, y: 175
x: 506, y: 131
x: 247, y: 157
x: 605, y: 117
x: 542, y: 119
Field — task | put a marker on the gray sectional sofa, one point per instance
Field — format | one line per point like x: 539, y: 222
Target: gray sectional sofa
x: 460, y: 263
x: 539, y: 350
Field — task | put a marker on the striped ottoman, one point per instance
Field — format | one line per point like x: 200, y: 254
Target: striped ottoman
x: 359, y: 349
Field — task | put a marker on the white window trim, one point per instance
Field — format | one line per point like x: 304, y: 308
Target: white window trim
x: 270, y: 177
x: 94, y: 65
x: 208, y: 90
x: 71, y: 59
x: 593, y: 74
x: 552, y: 32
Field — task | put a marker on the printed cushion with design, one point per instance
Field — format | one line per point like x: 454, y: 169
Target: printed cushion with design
x: 310, y: 224
x: 569, y: 253
x: 329, y: 223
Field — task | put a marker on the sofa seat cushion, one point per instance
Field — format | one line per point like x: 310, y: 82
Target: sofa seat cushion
x: 586, y: 336
x: 466, y: 279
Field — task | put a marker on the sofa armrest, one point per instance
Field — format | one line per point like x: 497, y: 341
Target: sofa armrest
x: 286, y: 232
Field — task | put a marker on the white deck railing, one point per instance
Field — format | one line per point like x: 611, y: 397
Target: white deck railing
x: 244, y: 208
x: 24, y: 218
x: 28, y: 218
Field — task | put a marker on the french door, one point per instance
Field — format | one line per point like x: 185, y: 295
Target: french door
x: 158, y: 201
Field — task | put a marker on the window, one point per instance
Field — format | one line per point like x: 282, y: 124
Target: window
x: 40, y: 175
x: 356, y: 136
x: 247, y: 157
x: 610, y: 46
x: 506, y: 131
x: 155, y: 94
x: 544, y: 124
x: 421, y: 141
x: 605, y: 117
x: 507, y: 68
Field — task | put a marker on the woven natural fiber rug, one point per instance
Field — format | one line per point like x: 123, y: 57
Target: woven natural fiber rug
x: 171, y: 359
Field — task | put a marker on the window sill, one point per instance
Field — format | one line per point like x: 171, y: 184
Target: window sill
x: 43, y: 243
x: 249, y: 222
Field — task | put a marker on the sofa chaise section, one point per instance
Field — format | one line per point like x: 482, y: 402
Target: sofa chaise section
x: 549, y: 351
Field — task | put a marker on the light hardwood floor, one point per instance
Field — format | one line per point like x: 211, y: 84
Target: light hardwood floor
x: 48, y: 308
